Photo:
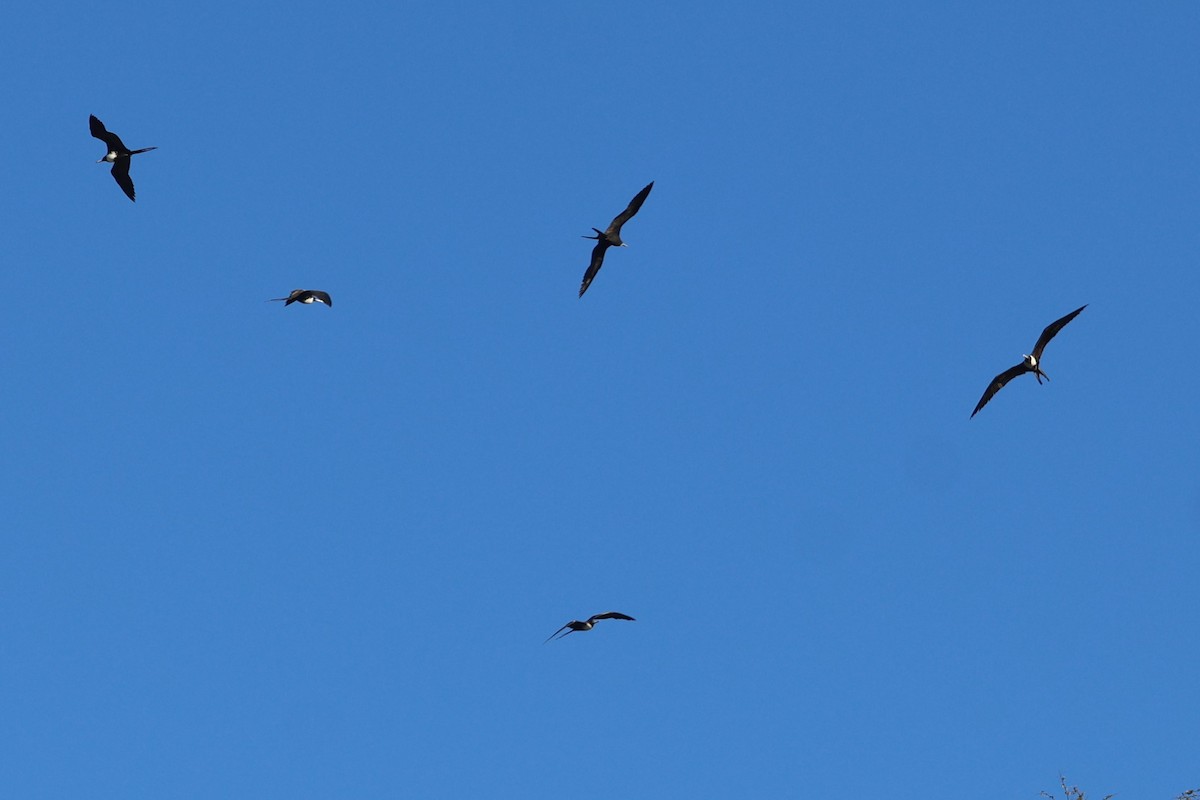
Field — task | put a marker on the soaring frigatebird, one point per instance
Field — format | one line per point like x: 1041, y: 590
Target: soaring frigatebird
x: 118, y: 154
x: 305, y: 296
x: 590, y: 622
x: 1031, y: 363
x: 611, y: 237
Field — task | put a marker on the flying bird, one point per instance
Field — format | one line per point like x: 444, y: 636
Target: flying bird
x: 1031, y: 363
x: 612, y: 236
x: 305, y: 296
x: 590, y: 622
x: 118, y: 155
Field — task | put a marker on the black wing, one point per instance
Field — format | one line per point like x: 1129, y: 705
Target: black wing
x: 322, y: 297
x: 594, y: 267
x: 998, y: 383
x: 120, y: 172
x: 630, y: 210
x: 612, y: 615
x: 1052, y: 329
x: 100, y: 132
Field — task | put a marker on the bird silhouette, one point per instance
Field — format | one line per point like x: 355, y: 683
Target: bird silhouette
x: 587, y: 624
x: 118, y: 155
x: 1030, y: 363
x: 611, y: 237
x: 306, y: 296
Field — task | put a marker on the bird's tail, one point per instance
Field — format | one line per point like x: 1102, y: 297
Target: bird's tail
x: 599, y: 234
x: 143, y: 150
x: 558, y: 634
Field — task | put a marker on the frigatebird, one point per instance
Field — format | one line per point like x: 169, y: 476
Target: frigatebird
x: 588, y: 624
x: 1030, y: 363
x: 118, y: 154
x: 305, y: 296
x: 612, y: 236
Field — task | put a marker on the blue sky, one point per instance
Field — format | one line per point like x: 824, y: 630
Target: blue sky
x: 252, y: 551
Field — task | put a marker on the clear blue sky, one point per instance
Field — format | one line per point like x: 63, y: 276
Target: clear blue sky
x: 252, y: 551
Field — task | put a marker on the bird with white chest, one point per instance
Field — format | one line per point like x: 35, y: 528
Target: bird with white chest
x: 118, y: 155
x: 587, y: 624
x: 1032, y: 362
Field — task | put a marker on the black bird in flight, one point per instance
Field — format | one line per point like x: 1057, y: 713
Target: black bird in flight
x: 612, y: 236
x: 1031, y: 363
x: 304, y: 296
x: 118, y: 154
x: 589, y: 623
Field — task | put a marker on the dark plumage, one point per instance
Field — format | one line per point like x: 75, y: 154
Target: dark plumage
x: 611, y: 237
x: 588, y: 624
x: 305, y: 296
x: 118, y: 155
x: 1031, y: 363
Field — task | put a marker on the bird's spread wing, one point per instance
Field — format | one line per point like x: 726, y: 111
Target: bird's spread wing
x: 612, y: 615
x: 560, y: 630
x: 998, y: 383
x: 322, y: 297
x: 594, y: 267
x: 120, y: 171
x: 1052, y: 329
x: 100, y: 132
x: 630, y: 210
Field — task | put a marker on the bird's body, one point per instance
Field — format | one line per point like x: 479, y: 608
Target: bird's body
x: 611, y: 237
x: 587, y: 624
x: 118, y: 155
x: 306, y: 296
x: 1031, y: 362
